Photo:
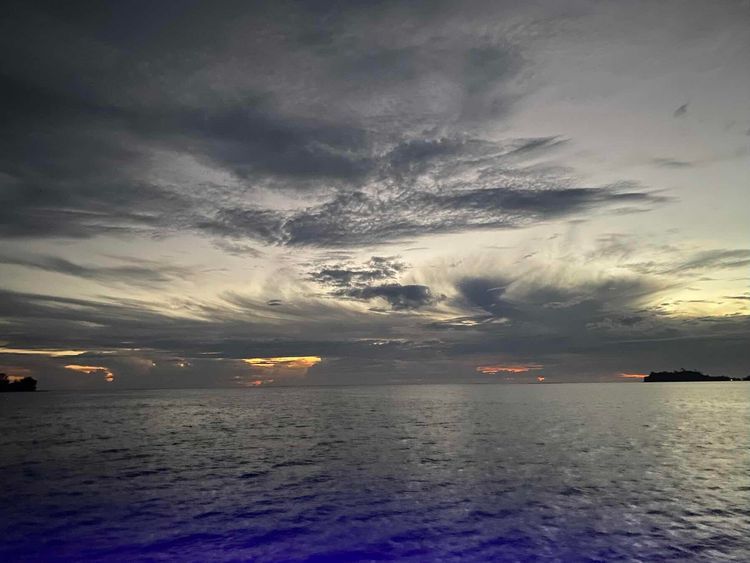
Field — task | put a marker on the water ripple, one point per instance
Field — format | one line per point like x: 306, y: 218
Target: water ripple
x: 408, y: 473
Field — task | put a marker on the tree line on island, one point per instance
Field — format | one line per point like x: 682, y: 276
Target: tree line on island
x: 687, y: 375
x: 8, y: 384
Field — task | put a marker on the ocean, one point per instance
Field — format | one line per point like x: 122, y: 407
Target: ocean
x: 576, y: 472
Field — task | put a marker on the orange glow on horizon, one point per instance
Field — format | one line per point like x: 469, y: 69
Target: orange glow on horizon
x: 11, y: 377
x: 41, y: 352
x: 494, y: 369
x: 292, y: 362
x: 259, y: 382
x: 108, y: 375
x: 633, y: 375
x: 282, y: 365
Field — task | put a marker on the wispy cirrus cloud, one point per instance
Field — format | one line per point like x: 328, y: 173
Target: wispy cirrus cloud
x: 130, y: 271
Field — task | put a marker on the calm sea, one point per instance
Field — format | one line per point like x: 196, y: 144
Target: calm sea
x: 586, y: 472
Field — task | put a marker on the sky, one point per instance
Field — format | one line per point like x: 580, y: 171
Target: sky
x: 238, y: 193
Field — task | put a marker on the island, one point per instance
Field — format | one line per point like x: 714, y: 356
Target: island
x: 8, y: 384
x: 686, y: 375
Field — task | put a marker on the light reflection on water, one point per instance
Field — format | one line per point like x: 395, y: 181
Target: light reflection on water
x: 451, y: 472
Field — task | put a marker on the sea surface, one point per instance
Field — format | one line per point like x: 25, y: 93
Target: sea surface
x: 579, y: 472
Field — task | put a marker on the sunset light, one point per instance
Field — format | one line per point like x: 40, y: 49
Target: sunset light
x: 493, y: 369
x: 41, y: 352
x: 509, y: 240
x: 283, y: 365
x: 108, y: 375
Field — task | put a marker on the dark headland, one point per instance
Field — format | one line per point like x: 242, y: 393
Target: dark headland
x: 686, y: 375
x: 8, y: 385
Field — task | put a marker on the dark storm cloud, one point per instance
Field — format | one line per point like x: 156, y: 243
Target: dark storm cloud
x: 486, y: 294
x: 378, y: 268
x: 433, y: 187
x: 359, y: 219
x: 365, y: 282
x: 82, y: 177
x: 327, y: 100
x: 552, y: 315
x: 65, y: 317
x: 259, y: 224
x: 398, y: 296
x: 238, y: 327
x: 417, y: 155
x: 251, y: 140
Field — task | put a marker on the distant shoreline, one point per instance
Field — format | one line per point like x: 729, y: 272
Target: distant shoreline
x: 687, y: 376
x: 16, y: 385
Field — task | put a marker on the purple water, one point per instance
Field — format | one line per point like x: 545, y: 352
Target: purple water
x: 588, y: 472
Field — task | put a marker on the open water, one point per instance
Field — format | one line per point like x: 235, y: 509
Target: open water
x: 580, y: 472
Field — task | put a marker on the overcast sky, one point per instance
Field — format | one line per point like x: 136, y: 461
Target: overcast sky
x: 245, y: 193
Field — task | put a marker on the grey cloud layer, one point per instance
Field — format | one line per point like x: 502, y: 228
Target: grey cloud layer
x: 373, y: 280
x: 130, y: 271
x: 328, y: 126
x: 86, y: 137
x: 547, y: 321
x: 376, y: 269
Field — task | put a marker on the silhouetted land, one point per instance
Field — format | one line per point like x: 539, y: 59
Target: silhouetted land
x: 686, y: 375
x: 8, y: 385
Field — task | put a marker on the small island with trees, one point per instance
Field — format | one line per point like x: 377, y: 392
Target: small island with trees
x: 686, y: 375
x: 8, y: 384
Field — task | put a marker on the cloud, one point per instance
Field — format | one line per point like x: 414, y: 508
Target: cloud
x: 281, y: 366
x: 237, y: 248
x: 681, y: 111
x: 399, y: 297
x: 486, y: 294
x: 42, y: 352
x: 360, y: 282
x: 360, y: 219
x: 377, y: 268
x: 254, y: 141
x: 302, y: 135
x: 672, y: 163
x: 83, y: 157
x: 364, y: 134
x: 537, y: 145
x: 431, y: 186
x: 682, y: 263
x: 88, y: 370
x: 494, y: 369
x: 552, y: 319
x: 718, y: 259
x: 134, y: 271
